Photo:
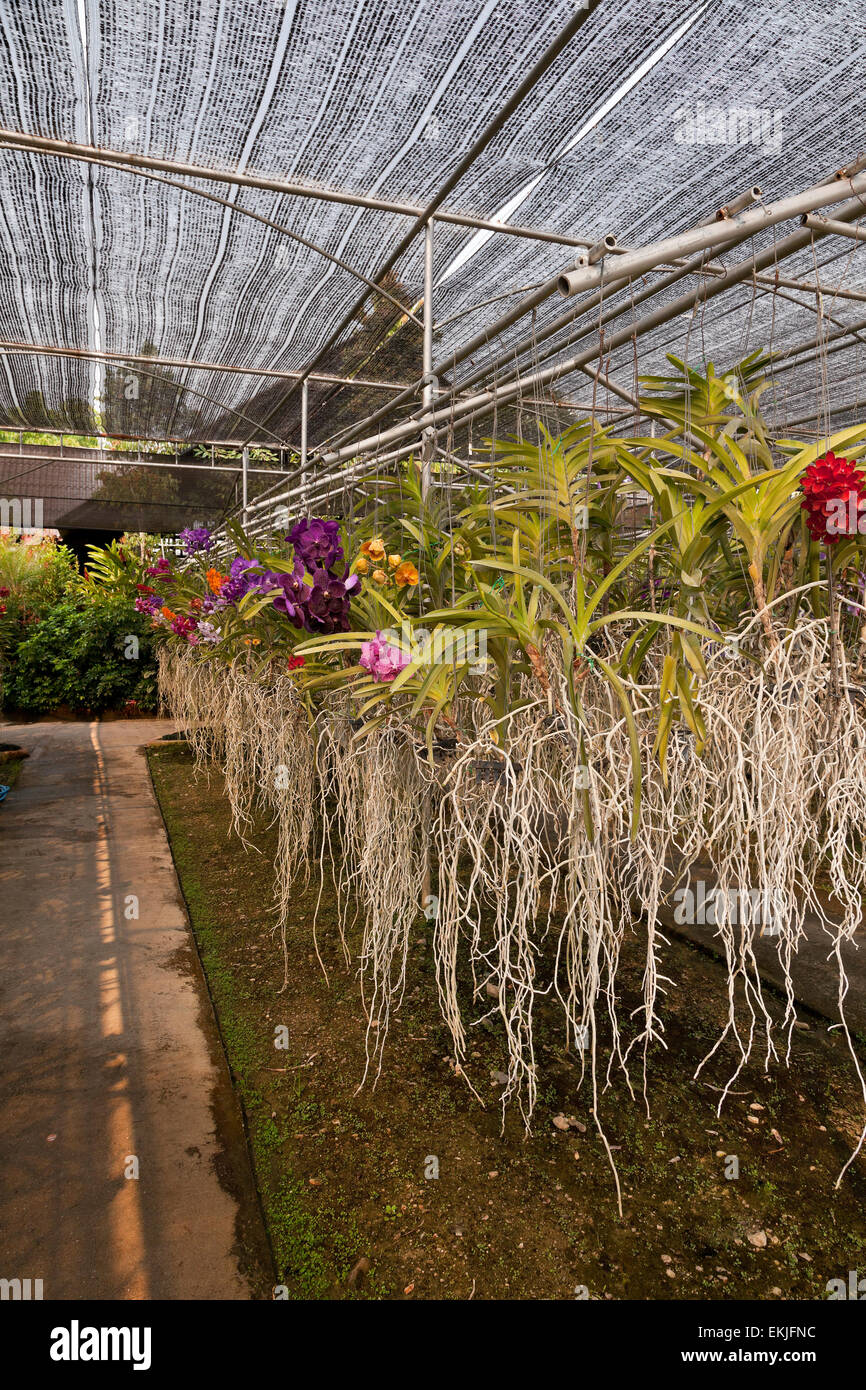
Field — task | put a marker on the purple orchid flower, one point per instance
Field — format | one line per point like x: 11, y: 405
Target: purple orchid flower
x: 317, y: 542
x: 196, y: 538
x: 294, y: 597
x: 147, y: 603
x: 244, y: 575
x: 328, y: 604
x: 161, y: 570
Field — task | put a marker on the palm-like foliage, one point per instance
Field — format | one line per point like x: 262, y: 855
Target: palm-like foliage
x: 543, y: 564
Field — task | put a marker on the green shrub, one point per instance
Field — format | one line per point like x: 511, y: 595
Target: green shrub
x: 82, y: 653
x: 33, y: 577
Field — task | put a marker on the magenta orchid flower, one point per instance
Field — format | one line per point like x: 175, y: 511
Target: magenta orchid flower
x: 382, y: 660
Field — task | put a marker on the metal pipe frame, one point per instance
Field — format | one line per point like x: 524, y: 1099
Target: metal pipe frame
x: 325, y: 484
x: 90, y: 354
x: 509, y: 357
x: 487, y: 401
x: 120, y: 159
x: 69, y: 432
x: 535, y: 296
x: 697, y: 265
x: 726, y: 280
x: 574, y: 279
x: 118, y: 459
x: 584, y: 11
x: 829, y: 225
x: 68, y: 149
x: 179, y: 386
x: 634, y: 263
x: 429, y: 393
x: 735, y: 275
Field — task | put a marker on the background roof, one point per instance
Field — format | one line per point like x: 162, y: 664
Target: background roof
x: 384, y: 97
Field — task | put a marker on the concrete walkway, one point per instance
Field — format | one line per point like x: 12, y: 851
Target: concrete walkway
x: 111, y: 1062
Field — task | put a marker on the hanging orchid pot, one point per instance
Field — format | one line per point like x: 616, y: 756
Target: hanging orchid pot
x: 856, y: 694
x: 444, y: 748
x: 202, y: 734
x: 558, y: 726
x: 488, y: 770
x: 492, y: 770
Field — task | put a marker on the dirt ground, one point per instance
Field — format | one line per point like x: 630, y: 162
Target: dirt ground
x: 346, y: 1175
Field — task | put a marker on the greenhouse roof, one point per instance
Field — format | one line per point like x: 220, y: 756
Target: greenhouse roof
x: 212, y: 187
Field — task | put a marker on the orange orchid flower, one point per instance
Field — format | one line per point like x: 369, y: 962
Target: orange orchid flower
x: 406, y: 574
x: 375, y: 549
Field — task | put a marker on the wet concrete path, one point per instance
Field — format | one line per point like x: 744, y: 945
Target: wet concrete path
x: 111, y: 1061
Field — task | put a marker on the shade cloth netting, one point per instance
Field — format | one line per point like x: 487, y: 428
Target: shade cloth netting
x: 383, y: 97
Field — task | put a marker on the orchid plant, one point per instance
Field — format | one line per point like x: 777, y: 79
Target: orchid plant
x: 640, y: 599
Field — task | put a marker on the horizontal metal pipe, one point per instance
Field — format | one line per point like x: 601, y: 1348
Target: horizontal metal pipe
x: 601, y: 249
x: 114, y: 458
x: 70, y: 433
x: 50, y: 350
x: 68, y: 149
x: 830, y: 225
x: 499, y: 326
x: 487, y: 401
x: 482, y: 304
x: 813, y: 347
x: 362, y: 466
x: 202, y: 396
x: 328, y: 484
x: 808, y: 287
x: 702, y: 238
x: 582, y: 13
x: 834, y: 410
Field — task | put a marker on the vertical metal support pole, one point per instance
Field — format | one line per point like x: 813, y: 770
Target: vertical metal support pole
x: 428, y: 444
x: 245, y: 463
x: 305, y: 405
x: 428, y: 440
